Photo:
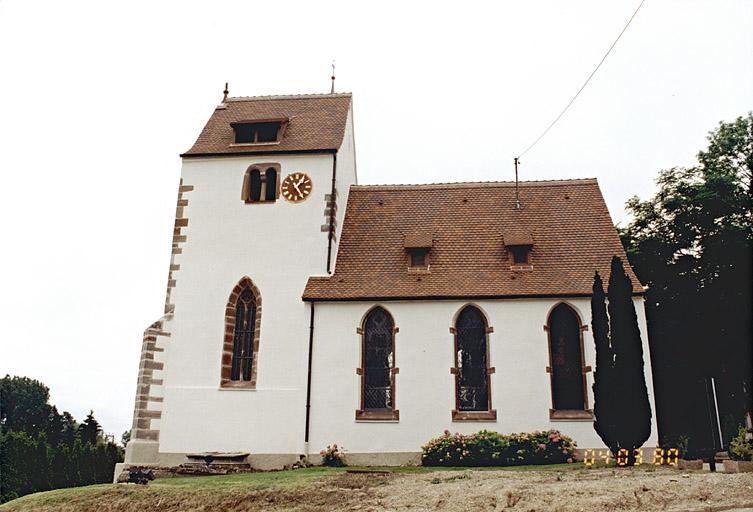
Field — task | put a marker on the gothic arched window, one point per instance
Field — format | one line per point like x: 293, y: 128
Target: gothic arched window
x: 472, y: 371
x: 242, y: 323
x: 566, y: 363
x: 378, y: 367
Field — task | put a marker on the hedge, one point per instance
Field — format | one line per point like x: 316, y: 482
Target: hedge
x: 488, y: 448
x: 30, y: 464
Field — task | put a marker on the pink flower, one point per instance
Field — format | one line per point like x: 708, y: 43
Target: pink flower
x: 542, y: 446
x: 569, y: 461
x: 446, y: 432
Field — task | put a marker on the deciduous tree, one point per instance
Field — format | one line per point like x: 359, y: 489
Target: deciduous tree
x: 692, y: 244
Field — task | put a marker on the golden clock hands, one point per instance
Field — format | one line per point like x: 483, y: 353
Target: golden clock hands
x: 295, y: 185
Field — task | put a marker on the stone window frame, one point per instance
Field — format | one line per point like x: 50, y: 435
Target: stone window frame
x: 458, y: 415
x: 262, y: 168
x: 227, y: 347
x: 361, y: 413
x: 585, y: 414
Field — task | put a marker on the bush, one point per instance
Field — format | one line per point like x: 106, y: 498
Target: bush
x: 333, y: 456
x: 487, y: 448
x: 741, y: 448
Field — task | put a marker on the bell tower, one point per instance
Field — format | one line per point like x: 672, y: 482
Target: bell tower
x: 260, y: 207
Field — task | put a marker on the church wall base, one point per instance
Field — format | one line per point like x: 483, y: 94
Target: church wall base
x: 377, y: 459
x: 142, y: 452
x: 143, y: 455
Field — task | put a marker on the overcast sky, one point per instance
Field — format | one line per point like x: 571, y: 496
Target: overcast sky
x: 97, y: 100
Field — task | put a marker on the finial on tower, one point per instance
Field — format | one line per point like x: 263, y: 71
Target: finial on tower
x: 225, y: 93
x: 332, y: 91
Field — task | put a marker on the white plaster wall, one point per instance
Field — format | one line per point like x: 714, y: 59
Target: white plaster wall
x: 521, y: 391
x: 346, y: 176
x: 278, y: 245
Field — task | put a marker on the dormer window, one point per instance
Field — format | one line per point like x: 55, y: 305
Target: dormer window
x: 418, y: 245
x: 519, y: 246
x: 520, y: 254
x: 259, y: 132
x: 261, y: 183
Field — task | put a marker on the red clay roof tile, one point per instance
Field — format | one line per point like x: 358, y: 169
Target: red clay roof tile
x: 317, y: 122
x: 568, y: 220
x: 418, y: 240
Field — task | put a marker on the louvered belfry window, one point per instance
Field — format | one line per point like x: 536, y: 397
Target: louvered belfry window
x: 243, y: 339
x: 472, y: 386
x: 378, y: 361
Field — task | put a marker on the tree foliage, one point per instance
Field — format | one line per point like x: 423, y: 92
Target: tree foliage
x: 23, y: 404
x: 606, y: 411
x: 692, y: 244
x: 622, y: 409
x: 90, y: 431
x: 125, y: 437
x: 41, y: 449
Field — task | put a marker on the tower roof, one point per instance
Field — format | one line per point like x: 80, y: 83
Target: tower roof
x: 313, y: 122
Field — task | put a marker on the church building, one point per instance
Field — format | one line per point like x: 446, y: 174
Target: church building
x: 303, y: 309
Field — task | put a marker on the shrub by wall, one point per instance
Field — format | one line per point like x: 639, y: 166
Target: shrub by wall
x: 488, y: 448
x: 741, y: 448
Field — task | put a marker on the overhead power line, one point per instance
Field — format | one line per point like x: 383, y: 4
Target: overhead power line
x: 584, y: 84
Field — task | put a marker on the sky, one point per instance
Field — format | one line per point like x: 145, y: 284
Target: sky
x: 98, y: 99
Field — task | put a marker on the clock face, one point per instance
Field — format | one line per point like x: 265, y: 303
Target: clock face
x: 296, y: 186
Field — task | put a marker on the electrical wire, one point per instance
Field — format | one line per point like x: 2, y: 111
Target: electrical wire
x: 584, y: 83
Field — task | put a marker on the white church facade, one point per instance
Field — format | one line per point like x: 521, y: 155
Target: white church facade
x: 303, y: 309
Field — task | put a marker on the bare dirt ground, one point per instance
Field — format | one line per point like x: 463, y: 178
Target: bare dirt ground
x: 604, y: 489
x: 618, y: 489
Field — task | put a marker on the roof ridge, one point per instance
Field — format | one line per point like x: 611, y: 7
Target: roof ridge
x: 478, y: 184
x: 290, y: 96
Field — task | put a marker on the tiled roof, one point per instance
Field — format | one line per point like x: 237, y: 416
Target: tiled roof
x: 572, y: 232
x: 418, y: 240
x: 317, y: 122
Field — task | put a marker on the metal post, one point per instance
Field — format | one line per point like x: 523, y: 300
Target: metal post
x: 517, y: 193
x: 714, y: 424
x: 332, y: 90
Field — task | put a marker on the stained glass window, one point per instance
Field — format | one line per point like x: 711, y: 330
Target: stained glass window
x: 243, y: 339
x: 567, y: 360
x: 472, y: 385
x: 378, y: 361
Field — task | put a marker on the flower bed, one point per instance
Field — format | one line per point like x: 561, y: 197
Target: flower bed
x: 488, y: 448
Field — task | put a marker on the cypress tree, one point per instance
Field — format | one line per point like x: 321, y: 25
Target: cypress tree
x: 39, y: 465
x: 55, y: 426
x: 70, y: 427
x: 90, y: 430
x: 627, y: 381
x: 605, y: 406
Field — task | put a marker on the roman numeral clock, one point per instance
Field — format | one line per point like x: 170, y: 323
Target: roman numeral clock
x: 296, y: 187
